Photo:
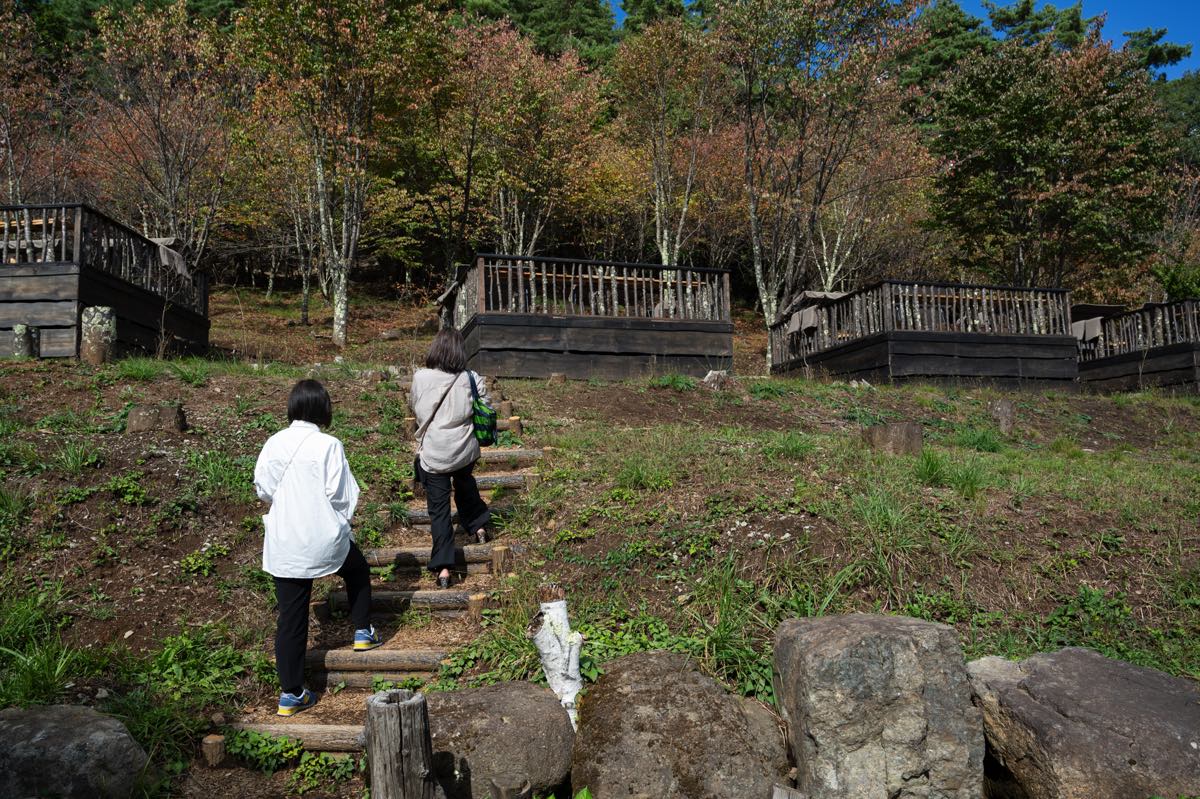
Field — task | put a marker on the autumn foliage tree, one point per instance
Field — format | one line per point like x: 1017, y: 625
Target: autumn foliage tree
x: 671, y: 93
x: 344, y: 69
x: 1055, y: 166
x: 811, y: 75
x: 157, y: 136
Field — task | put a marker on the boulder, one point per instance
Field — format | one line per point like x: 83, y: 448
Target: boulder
x: 1073, y: 724
x: 878, y: 706
x: 150, y: 418
x: 481, y: 733
x: 654, y: 726
x: 66, y: 751
x: 899, y: 438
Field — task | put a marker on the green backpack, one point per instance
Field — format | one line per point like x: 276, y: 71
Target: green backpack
x: 483, y: 418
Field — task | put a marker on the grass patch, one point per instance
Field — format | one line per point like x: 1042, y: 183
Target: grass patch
x: 789, y: 446
x: 141, y: 370
x: 74, y: 457
x: 216, y: 472
x: 980, y: 439
x: 35, y: 665
x: 640, y: 472
x: 675, y: 382
x: 15, y: 505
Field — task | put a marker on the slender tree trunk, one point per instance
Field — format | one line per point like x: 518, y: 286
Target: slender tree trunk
x: 341, y: 304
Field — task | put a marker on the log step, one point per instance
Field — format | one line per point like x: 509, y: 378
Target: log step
x: 439, y: 602
x: 382, y: 659
x: 315, y: 737
x: 508, y: 458
x: 324, y: 680
x: 417, y: 557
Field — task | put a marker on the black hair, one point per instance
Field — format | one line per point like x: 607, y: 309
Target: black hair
x: 309, y: 402
x: 448, y: 352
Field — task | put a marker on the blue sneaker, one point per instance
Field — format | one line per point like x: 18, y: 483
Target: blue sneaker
x: 290, y: 704
x: 366, y: 639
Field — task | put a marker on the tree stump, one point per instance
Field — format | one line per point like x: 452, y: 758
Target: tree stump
x: 510, y: 786
x: 506, y: 409
x: 410, y: 425
x: 781, y: 792
x: 399, y: 749
x: 475, y: 605
x: 98, y: 332
x: 26, y: 341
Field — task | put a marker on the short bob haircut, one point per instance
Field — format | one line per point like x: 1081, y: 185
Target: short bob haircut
x: 448, y: 352
x: 309, y: 402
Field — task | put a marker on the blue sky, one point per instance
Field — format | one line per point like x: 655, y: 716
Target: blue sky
x: 1181, y: 18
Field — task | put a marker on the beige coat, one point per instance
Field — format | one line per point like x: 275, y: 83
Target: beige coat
x: 449, y: 443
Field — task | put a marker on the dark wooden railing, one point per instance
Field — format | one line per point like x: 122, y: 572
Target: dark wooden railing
x: 78, y: 234
x: 1152, y: 326
x: 925, y: 307
x: 574, y: 287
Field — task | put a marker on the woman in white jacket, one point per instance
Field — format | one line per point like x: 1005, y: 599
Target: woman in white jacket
x: 446, y: 447
x: 303, y: 473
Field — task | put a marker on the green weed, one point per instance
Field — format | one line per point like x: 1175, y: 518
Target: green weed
x: 128, y: 489
x: 73, y: 457
x: 768, y: 389
x: 932, y: 469
x: 968, y: 477
x: 980, y: 439
x: 140, y: 369
x: 675, y: 382
x: 261, y: 751
x: 203, y: 562
x: 317, y: 769
x: 216, y: 472
x: 639, y: 472
x: 788, y: 445
x: 193, y: 371
x: 15, y: 506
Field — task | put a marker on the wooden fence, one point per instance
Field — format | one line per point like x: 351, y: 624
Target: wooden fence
x: 79, y: 234
x: 575, y: 287
x: 1144, y: 329
x: 922, y: 307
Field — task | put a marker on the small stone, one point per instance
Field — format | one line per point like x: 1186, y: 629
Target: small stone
x: 101, y: 694
x: 219, y: 719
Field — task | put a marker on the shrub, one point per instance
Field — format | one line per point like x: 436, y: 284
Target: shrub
x: 261, y: 751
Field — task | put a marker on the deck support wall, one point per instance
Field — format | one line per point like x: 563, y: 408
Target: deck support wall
x: 898, y: 356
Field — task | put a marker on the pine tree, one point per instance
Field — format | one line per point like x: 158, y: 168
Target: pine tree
x: 641, y: 13
x: 952, y: 35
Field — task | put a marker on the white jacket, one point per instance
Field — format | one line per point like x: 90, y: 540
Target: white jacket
x: 312, y: 501
x: 449, y: 443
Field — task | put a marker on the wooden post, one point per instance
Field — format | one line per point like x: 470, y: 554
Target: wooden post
x: 510, y: 786
x: 399, y: 749
x: 98, y: 332
x: 410, y: 425
x: 502, y: 560
x: 475, y: 603
x: 26, y: 341
x: 506, y: 409
x: 514, y: 424
x: 213, y: 748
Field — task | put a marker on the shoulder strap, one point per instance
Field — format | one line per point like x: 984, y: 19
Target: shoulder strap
x: 295, y: 452
x: 436, y: 408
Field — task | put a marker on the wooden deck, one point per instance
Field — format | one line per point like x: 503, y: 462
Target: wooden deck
x: 56, y: 260
x: 533, y: 317
x: 1157, y: 346
x: 898, y: 331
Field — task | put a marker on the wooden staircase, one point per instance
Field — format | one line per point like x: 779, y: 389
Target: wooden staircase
x: 420, y: 623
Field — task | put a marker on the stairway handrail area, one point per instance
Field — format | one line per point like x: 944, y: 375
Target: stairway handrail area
x: 918, y: 306
x: 1153, y: 325
x: 76, y: 233
x: 547, y: 286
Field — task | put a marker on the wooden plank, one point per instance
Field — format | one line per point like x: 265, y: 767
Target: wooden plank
x: 951, y: 366
x: 38, y: 270
x: 376, y: 659
x: 324, y: 680
x: 38, y: 288
x: 621, y: 342
x: 315, y: 737
x: 63, y: 313
x: 1151, y: 364
x: 56, y: 342
x: 602, y: 366
x: 601, y: 322
x: 984, y: 349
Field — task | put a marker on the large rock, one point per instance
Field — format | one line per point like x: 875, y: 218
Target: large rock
x: 151, y: 418
x: 654, y: 727
x: 514, y: 727
x: 878, y: 706
x: 66, y: 752
x: 1075, y: 725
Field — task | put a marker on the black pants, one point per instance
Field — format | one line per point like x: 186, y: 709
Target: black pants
x: 473, y: 512
x: 291, y: 632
